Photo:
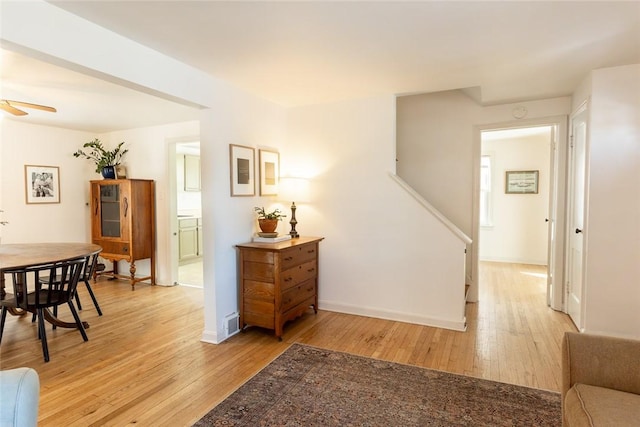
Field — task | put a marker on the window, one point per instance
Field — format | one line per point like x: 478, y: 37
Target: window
x: 486, y: 211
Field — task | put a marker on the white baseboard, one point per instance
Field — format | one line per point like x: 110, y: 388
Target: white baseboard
x: 513, y: 260
x: 456, y: 325
x: 210, y: 337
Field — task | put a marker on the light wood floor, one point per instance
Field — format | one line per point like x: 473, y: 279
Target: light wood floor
x: 144, y: 363
x: 191, y: 274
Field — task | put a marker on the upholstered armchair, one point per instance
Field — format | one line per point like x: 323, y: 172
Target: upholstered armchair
x: 19, y: 397
x: 600, y: 381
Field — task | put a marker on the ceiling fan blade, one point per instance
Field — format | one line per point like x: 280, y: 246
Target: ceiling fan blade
x: 29, y: 105
x: 8, y: 108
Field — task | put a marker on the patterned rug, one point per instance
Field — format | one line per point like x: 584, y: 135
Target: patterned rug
x: 308, y: 386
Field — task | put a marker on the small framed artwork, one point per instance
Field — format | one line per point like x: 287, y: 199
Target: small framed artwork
x: 521, y: 182
x: 121, y: 172
x: 269, y: 172
x: 42, y: 184
x: 242, y: 165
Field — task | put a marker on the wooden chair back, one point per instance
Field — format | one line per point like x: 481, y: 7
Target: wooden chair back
x: 32, y: 292
x: 90, y: 267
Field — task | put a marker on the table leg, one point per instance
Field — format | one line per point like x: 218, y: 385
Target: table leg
x: 132, y: 271
x: 14, y: 311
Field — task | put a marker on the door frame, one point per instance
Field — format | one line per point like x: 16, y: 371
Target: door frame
x: 172, y: 231
x: 557, y: 206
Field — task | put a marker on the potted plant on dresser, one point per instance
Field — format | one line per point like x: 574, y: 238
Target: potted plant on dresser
x: 268, y: 221
x: 105, y: 160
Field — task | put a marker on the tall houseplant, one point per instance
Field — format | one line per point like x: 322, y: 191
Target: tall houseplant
x: 105, y: 160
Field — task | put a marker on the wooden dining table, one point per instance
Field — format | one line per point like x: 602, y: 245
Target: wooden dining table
x: 21, y: 255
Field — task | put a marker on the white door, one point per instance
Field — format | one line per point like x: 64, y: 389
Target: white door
x: 575, y: 267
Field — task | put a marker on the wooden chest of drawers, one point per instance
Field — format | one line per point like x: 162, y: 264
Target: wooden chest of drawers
x: 278, y: 281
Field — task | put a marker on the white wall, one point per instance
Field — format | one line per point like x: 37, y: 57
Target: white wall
x: 25, y: 144
x: 435, y: 134
x: 379, y: 257
x: 612, y: 229
x: 236, y: 119
x: 519, y: 232
x: 434, y: 151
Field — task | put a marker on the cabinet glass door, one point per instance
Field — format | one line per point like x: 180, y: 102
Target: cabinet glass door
x: 110, y: 210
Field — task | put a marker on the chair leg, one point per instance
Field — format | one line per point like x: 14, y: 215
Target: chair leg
x: 43, y: 335
x: 93, y: 297
x: 78, y: 321
x: 55, y: 314
x: 3, y: 318
x: 78, y: 301
x: 35, y: 313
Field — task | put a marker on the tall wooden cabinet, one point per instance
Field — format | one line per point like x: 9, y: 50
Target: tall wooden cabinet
x: 278, y: 281
x: 123, y: 223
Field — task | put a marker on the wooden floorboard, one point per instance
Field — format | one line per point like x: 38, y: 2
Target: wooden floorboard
x: 144, y: 363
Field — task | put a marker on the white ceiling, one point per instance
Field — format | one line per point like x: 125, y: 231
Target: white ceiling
x: 306, y: 52
x: 83, y: 102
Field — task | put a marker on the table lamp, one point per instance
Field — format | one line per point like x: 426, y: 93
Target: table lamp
x: 296, y: 190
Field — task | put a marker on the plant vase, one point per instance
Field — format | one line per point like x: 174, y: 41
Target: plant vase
x: 268, y: 225
x: 109, y: 172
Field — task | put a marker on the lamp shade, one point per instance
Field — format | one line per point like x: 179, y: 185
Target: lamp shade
x: 293, y: 189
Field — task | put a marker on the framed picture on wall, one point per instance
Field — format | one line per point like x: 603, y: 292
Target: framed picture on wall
x: 521, y: 182
x: 42, y: 184
x: 269, y: 172
x: 242, y: 166
x: 121, y: 172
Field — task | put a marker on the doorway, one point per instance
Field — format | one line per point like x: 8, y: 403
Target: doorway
x: 521, y: 227
x: 512, y: 214
x: 189, y: 214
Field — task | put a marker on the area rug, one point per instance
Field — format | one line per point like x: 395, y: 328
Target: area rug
x: 308, y: 386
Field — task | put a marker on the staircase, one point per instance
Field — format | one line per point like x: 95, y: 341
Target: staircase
x: 466, y: 240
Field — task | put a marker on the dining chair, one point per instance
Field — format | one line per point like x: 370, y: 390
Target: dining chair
x: 87, y: 274
x: 30, y: 294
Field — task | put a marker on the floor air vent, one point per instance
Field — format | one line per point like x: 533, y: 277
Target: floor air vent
x: 231, y: 324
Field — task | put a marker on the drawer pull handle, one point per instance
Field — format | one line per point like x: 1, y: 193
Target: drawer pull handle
x: 311, y: 251
x: 289, y: 258
x: 288, y: 279
x: 311, y: 270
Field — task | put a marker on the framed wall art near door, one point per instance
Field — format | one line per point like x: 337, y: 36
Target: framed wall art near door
x: 42, y: 184
x: 269, y: 172
x: 521, y: 182
x: 242, y: 167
